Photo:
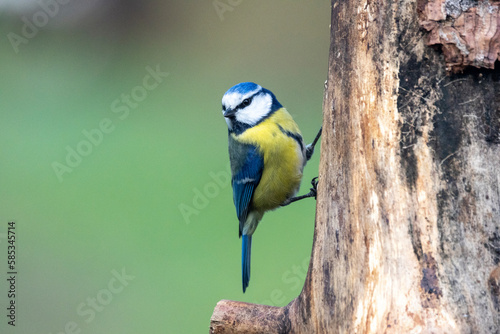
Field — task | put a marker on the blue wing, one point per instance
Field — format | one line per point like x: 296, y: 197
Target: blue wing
x: 244, y: 182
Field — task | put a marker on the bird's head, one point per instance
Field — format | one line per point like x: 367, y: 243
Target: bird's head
x: 247, y: 104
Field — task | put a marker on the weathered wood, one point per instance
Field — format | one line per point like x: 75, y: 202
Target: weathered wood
x: 414, y: 170
x: 407, y: 234
x: 237, y: 317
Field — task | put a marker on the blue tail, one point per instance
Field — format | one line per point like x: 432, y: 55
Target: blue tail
x: 246, y: 249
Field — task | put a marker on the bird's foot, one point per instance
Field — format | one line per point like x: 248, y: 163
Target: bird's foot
x: 314, y: 189
x: 312, y: 193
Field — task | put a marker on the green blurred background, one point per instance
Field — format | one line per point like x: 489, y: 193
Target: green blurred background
x: 150, y: 200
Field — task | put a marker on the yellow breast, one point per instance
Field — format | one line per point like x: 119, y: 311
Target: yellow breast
x: 283, y: 159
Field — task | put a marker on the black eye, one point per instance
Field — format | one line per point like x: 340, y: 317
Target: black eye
x: 245, y: 103
x: 223, y: 108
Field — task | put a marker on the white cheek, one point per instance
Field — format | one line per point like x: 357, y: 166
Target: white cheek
x: 258, y: 109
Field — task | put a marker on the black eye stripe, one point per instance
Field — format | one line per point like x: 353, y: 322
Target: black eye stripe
x: 245, y: 103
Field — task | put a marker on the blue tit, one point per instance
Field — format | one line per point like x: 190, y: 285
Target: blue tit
x: 267, y: 156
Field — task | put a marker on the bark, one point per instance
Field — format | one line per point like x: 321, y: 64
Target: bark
x: 407, y: 234
x: 467, y: 31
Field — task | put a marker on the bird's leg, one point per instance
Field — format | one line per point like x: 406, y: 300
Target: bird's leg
x: 310, y: 147
x: 312, y: 193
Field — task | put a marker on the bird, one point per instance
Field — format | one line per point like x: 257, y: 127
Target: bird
x: 267, y: 157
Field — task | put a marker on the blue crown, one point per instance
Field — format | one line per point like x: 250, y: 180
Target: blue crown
x: 243, y: 88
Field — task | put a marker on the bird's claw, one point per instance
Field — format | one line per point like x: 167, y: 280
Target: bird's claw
x: 314, y: 189
x: 312, y: 193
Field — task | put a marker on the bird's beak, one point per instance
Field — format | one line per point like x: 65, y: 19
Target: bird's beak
x: 229, y: 113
